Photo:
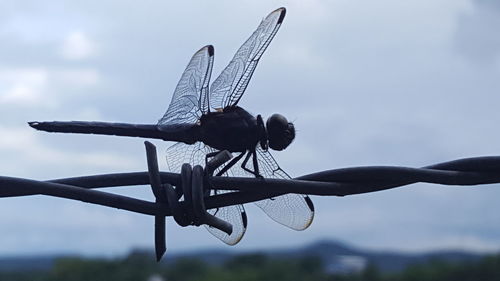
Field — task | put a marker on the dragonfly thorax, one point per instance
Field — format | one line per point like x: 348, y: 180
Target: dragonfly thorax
x: 280, y: 132
x: 232, y: 129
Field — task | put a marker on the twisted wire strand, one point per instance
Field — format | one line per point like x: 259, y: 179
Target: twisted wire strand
x: 357, y: 180
x: 337, y: 182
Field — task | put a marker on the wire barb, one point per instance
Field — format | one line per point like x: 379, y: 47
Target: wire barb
x: 194, y: 211
x: 184, y: 196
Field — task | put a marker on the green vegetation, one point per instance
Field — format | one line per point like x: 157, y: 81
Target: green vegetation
x: 253, y: 267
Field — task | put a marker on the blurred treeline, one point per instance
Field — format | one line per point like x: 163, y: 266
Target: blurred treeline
x: 137, y: 267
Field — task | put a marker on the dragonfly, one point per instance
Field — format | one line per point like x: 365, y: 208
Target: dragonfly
x: 205, y: 119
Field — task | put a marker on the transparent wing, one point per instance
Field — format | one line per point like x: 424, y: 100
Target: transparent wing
x: 235, y: 215
x: 181, y: 153
x: 228, y: 88
x: 194, y: 154
x: 295, y: 211
x: 190, y: 98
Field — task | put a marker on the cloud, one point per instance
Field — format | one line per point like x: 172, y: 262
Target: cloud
x: 42, y: 87
x: 23, y: 86
x: 80, y: 77
x: 26, y: 144
x: 476, y: 35
x: 78, y: 46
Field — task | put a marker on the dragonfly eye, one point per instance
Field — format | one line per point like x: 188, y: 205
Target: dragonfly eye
x: 280, y: 132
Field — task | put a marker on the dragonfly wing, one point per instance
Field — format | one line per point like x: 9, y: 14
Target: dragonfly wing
x: 190, y: 98
x: 181, y: 153
x: 228, y: 88
x: 235, y: 215
x: 295, y: 211
x: 194, y: 154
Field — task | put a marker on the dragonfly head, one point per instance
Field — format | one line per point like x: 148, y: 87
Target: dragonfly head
x: 280, y: 132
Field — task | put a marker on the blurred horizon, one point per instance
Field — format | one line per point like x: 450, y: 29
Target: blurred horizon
x: 316, y: 263
x: 234, y: 250
x: 378, y: 83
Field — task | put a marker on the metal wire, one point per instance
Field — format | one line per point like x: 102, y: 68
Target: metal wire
x: 337, y: 182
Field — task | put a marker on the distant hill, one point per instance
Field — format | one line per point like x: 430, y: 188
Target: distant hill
x: 337, y: 257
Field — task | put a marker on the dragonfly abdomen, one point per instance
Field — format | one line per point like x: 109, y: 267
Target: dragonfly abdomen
x: 187, y: 134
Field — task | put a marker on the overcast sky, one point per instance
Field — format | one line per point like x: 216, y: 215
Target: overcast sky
x: 381, y: 82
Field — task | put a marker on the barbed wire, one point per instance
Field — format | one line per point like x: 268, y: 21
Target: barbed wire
x: 182, y: 195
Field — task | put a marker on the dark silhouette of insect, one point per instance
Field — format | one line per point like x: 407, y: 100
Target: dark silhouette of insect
x: 206, y: 120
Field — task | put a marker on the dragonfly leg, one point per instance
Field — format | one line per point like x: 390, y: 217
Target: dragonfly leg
x: 217, y: 209
x: 256, y: 165
x: 210, y: 155
x: 255, y: 172
x: 231, y: 164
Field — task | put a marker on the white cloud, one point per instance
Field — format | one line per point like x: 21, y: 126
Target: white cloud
x: 22, y: 86
x: 301, y: 56
x: 77, y: 46
x: 88, y: 113
x: 26, y: 144
x: 40, y: 87
x: 458, y: 241
x: 476, y: 32
x: 78, y: 77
